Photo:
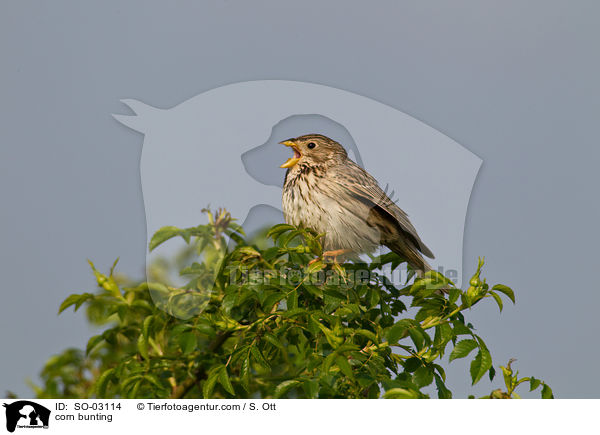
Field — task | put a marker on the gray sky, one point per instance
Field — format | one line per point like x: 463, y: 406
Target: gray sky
x: 513, y: 82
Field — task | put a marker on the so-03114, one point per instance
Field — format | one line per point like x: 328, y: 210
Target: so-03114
x: 89, y: 406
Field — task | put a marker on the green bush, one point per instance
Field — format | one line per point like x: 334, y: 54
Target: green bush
x: 260, y: 319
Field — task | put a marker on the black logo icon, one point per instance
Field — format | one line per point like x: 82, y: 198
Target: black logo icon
x: 26, y: 414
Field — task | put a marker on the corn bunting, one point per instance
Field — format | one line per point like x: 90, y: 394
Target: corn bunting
x: 326, y: 191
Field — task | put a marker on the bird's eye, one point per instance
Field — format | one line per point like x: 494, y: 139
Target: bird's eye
x: 311, y: 145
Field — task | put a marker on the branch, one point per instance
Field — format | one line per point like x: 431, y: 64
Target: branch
x: 179, y: 391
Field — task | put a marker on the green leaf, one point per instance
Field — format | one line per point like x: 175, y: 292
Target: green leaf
x: 211, y: 381
x: 443, y: 392
x: 462, y: 349
x: 205, y: 329
x: 154, y: 381
x: 313, y: 290
x: 122, y: 311
x: 492, y: 373
x: 272, y: 300
x: 333, y: 340
x: 547, y: 392
x: 142, y: 304
x: 248, y: 251
x: 268, y: 336
x: 423, y: 376
x: 506, y: 290
x: 480, y: 364
x: 102, y: 383
x: 374, y: 297
x: 92, y: 343
x: 327, y: 362
x: 397, y: 331
x: 162, y: 235
x: 142, y: 345
x: 259, y: 358
x: 187, y: 342
x: 417, y: 336
x: 443, y: 334
x: 454, y: 294
x: 498, y: 300
x: 412, y: 364
x: 534, y: 383
x: 461, y: 329
x: 124, y: 384
x: 108, y: 283
x: 344, y: 365
x: 329, y: 291
x: 133, y: 394
x: 400, y: 393
x: 285, y: 386
x: 146, y: 326
x: 315, y: 267
x: 508, y: 378
x: 279, y: 229
x: 245, y: 374
x: 112, y: 268
x: 179, y: 328
x: 437, y: 277
x: 367, y: 334
x: 287, y: 238
x: 225, y: 382
x: 311, y: 388
x: 440, y: 370
x: 75, y: 299
x: 292, y: 300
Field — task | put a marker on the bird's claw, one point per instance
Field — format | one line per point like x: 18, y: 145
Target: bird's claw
x: 335, y: 254
x: 314, y: 260
x: 332, y: 255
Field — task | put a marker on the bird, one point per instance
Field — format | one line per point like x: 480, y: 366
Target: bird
x: 327, y: 192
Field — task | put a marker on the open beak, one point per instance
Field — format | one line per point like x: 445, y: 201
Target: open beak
x: 292, y: 160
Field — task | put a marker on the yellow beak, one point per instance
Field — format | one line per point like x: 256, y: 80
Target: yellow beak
x: 292, y: 160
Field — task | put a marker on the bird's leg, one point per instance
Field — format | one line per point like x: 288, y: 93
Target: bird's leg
x: 335, y: 254
x: 331, y: 254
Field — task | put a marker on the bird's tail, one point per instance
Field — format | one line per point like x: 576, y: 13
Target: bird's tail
x: 415, y: 260
x: 412, y: 256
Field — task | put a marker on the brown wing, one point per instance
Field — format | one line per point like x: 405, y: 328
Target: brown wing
x: 390, y: 219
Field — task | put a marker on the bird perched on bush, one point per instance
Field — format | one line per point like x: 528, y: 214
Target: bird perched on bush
x: 326, y: 191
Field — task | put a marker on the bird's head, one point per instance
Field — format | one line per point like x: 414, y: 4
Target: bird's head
x: 313, y: 149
